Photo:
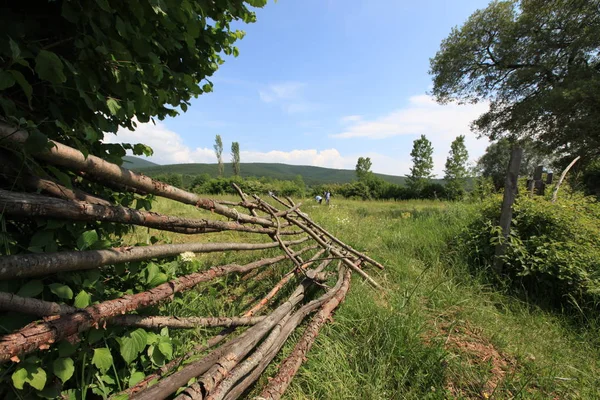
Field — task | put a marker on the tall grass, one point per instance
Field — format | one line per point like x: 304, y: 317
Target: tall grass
x: 414, y: 341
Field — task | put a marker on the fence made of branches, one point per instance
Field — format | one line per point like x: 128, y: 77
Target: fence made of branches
x: 227, y: 364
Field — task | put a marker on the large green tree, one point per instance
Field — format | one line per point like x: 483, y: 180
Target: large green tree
x: 421, y: 171
x: 537, y: 62
x: 235, y: 158
x: 73, y: 70
x: 455, y: 173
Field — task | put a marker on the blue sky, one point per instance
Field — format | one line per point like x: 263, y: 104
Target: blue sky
x: 322, y: 82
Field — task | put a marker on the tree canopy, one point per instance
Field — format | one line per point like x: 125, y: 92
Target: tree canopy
x: 422, y: 168
x: 218, y: 146
x: 363, y: 168
x: 73, y: 70
x: 455, y: 173
x: 235, y: 157
x: 537, y: 62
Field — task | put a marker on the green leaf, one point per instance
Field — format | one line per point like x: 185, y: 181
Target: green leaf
x: 63, y: 368
x: 133, y: 345
x: 33, y: 375
x: 66, y: 348
x: 62, y: 291
x: 257, y: 3
x: 166, y: 348
x: 27, y: 89
x: 49, y: 67
x: 113, y: 106
x: 18, y: 377
x: 41, y: 239
x: 87, y: 239
x: 14, y: 49
x: 6, y: 80
x: 36, y: 141
x: 83, y: 299
x: 31, y: 288
x: 136, y: 377
x: 152, y: 270
x: 95, y: 335
x: 159, y: 279
x: 102, y: 359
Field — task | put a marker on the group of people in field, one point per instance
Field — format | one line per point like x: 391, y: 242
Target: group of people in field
x: 326, y: 196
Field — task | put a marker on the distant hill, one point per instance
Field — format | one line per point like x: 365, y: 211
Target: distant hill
x: 131, y: 162
x: 311, y: 175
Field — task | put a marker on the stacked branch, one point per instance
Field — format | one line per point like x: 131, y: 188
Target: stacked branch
x: 238, y: 358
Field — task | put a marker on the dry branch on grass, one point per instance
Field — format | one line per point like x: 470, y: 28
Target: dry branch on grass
x: 28, y: 265
x: 73, y: 159
x: 228, y: 370
x: 41, y: 336
x: 35, y: 205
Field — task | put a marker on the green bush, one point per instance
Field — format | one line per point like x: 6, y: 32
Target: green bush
x: 553, y: 251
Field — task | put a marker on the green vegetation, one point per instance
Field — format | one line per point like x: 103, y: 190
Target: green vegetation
x: 537, y: 62
x: 311, y: 175
x: 421, y: 171
x: 456, y: 169
x: 554, y: 248
x: 439, y: 331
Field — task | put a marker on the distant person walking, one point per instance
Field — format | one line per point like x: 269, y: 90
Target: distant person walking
x: 327, y: 197
x: 319, y: 199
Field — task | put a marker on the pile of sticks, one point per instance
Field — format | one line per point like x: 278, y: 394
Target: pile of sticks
x: 230, y: 362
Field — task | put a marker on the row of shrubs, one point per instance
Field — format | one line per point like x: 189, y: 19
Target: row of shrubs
x: 370, y: 189
x: 553, y: 251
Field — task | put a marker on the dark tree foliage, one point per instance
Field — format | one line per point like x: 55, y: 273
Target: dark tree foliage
x: 537, y: 62
x: 73, y: 70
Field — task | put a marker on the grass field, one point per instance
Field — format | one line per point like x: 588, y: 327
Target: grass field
x: 437, y: 332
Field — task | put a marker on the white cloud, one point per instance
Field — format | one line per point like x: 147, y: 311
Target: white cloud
x: 281, y: 91
x: 350, y: 118
x: 440, y: 123
x: 422, y: 116
x: 168, y: 146
x: 289, y: 96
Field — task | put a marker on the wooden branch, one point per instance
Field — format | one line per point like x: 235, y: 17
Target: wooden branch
x: 28, y: 265
x: 243, y: 197
x: 34, y: 205
x: 42, y: 308
x: 562, y: 177
x: 311, y: 223
x: 43, y: 335
x: 34, y: 183
x: 336, y: 253
x: 286, y: 278
x: 221, y: 368
x: 288, y: 369
x: 68, y: 157
x: 158, y: 322
x: 240, y: 388
x: 26, y: 305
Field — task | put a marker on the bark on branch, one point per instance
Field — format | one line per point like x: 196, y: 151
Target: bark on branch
x: 43, y: 335
x: 68, y: 157
x: 28, y: 265
x: 34, y: 205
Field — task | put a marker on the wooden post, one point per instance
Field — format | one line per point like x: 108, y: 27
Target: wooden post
x: 510, y: 192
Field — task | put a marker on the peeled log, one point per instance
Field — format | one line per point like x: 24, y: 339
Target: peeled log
x: 288, y: 369
x: 39, y: 264
x: 60, y: 154
x: 158, y: 322
x: 40, y: 336
x: 34, y: 205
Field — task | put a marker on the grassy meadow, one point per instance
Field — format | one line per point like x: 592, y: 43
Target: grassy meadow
x: 438, y: 331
